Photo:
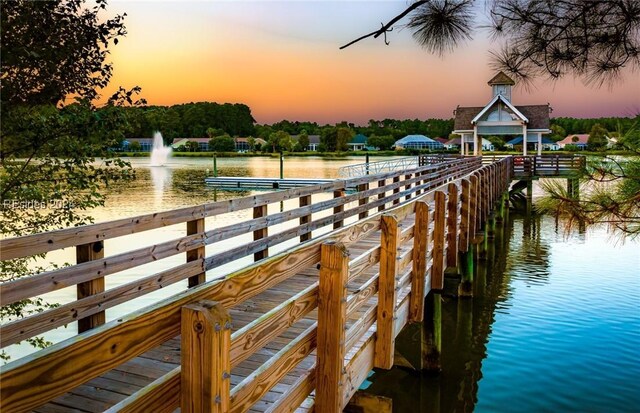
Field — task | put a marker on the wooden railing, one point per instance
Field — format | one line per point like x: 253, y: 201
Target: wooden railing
x: 447, y: 205
x: 542, y: 165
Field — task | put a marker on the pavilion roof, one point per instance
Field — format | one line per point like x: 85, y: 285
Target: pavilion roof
x: 538, y: 116
x: 501, y: 79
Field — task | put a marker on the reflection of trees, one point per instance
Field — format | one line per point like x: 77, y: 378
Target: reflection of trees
x: 529, y: 254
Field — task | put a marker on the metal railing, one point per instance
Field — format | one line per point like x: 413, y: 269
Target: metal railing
x: 392, y: 165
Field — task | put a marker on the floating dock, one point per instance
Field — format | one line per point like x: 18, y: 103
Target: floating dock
x: 237, y: 182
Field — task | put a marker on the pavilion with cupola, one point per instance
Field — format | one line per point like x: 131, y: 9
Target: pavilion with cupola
x: 501, y: 117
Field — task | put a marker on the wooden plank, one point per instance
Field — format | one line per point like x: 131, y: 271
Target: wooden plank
x: 162, y: 396
x: 296, y: 394
x: 193, y: 228
x: 362, y: 295
x: 84, y: 253
x: 256, y: 334
x: 35, y: 324
x: 407, y: 187
x: 258, y: 383
x: 359, y: 366
x: 332, y: 318
x: 205, y: 369
x: 420, y: 242
x: 48, y: 281
x: 437, y: 268
x: 363, y: 262
x: 303, y: 202
x: 387, y: 292
x: 259, y: 212
x: 452, y: 226
x: 32, y: 381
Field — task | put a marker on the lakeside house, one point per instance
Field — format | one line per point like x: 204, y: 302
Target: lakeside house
x: 580, y: 140
x: 357, y: 143
x: 146, y: 144
x: 314, y: 141
x: 418, y: 142
x: 501, y: 117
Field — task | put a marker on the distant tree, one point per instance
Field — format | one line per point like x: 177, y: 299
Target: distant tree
x: 51, y: 152
x: 192, y: 146
x: 557, y: 133
x: 223, y: 143
x: 329, y: 139
x: 597, y: 138
x: 276, y: 139
x: 303, y: 140
x: 251, y: 142
x: 343, y: 136
x: 286, y: 143
x: 135, y: 146
x: 497, y: 141
x: 384, y: 143
x: 539, y: 38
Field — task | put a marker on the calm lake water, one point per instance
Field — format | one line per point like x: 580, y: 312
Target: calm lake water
x: 554, y: 327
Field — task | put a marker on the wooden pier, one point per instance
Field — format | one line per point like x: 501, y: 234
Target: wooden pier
x: 297, y: 330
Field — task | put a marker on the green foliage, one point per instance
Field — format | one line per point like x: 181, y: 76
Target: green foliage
x: 224, y: 143
x: 343, y: 136
x: 135, y: 146
x: 383, y: 143
x: 191, y: 146
x: 279, y: 140
x: 610, y: 190
x: 303, y: 140
x: 53, y: 49
x: 597, y: 138
x: 55, y: 161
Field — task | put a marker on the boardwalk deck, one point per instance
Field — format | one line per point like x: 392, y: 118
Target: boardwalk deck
x: 288, y: 340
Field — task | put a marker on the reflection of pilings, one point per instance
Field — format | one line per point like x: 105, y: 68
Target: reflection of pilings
x: 529, y: 205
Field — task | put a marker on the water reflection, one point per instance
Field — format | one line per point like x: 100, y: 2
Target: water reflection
x: 161, y: 179
x: 546, y: 326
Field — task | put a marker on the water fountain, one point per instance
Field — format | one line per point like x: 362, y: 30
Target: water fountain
x: 159, y: 152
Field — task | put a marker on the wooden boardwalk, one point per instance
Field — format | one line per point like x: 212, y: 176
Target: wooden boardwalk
x: 283, y: 334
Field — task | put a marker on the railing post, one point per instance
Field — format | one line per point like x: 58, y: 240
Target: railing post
x: 89, y: 252
x: 305, y: 201
x: 385, y: 334
x: 363, y: 201
x: 465, y: 213
x: 407, y: 187
x: 437, y: 266
x: 420, y: 242
x: 383, y: 194
x: 205, y: 373
x: 259, y: 212
x: 338, y: 209
x: 196, y: 227
x: 452, y: 226
x: 396, y: 179
x: 332, y: 319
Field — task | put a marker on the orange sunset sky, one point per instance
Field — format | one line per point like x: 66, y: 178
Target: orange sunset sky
x: 282, y: 59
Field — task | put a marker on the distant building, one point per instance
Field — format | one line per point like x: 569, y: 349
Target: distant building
x: 357, y: 143
x: 500, y: 117
x: 146, y: 144
x: 456, y: 142
x: 314, y: 141
x: 547, y: 144
x: 578, y: 139
x: 418, y: 142
x: 203, y: 143
x: 441, y: 140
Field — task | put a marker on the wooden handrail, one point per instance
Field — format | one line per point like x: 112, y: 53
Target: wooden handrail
x: 33, y: 380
